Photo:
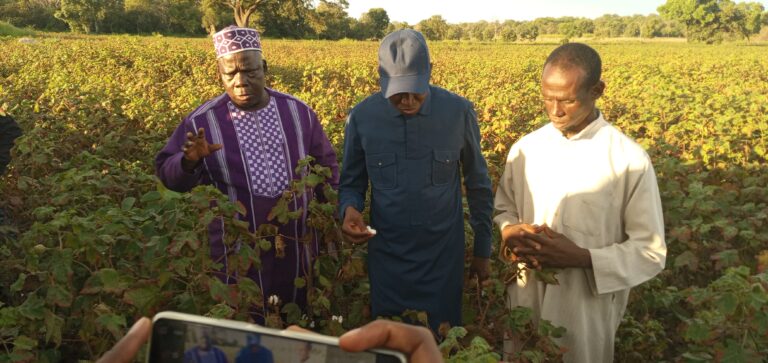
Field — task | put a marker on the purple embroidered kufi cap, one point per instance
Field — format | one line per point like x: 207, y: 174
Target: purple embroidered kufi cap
x: 233, y: 39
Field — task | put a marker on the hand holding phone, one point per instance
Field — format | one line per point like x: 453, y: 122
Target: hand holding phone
x: 185, y: 338
x: 416, y: 342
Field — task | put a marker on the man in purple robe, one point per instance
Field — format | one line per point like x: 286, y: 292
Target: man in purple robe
x: 248, y: 142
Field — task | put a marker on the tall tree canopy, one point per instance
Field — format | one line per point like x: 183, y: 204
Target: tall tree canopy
x: 708, y: 20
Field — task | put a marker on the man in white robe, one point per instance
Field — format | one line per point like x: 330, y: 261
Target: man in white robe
x: 580, y: 196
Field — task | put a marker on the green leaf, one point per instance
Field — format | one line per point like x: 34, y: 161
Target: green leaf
x: 299, y: 282
x: 19, y: 284
x: 687, y: 259
x: 114, y: 323
x: 32, y: 308
x: 220, y: 292
x: 23, y: 342
x: 697, y: 331
x: 109, y: 277
x: 727, y: 303
x: 735, y: 353
x: 250, y: 289
x: 92, y: 285
x: 221, y: 311
x: 456, y: 332
x: 59, y: 295
x: 726, y: 258
x: 61, y: 265
x: 292, y: 312
x: 143, y: 298
x: 53, y: 327
x: 698, y: 356
x: 128, y: 203
x: 547, y: 276
x: 265, y: 245
x: 151, y: 196
x: 324, y: 302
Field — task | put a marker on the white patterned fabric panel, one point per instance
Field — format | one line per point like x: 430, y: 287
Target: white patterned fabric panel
x: 263, y: 145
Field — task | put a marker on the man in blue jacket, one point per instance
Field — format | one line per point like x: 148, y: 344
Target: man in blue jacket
x: 9, y: 131
x: 413, y: 142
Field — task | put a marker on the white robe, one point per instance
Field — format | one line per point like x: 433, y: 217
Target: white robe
x: 599, y: 189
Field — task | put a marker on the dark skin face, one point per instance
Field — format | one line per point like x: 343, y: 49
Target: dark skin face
x: 408, y: 104
x: 243, y: 76
x: 569, y: 104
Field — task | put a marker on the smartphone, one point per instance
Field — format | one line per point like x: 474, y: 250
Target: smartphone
x: 185, y: 338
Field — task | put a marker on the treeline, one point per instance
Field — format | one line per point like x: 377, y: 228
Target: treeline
x: 702, y: 20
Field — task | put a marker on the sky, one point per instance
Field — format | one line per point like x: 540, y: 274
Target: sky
x: 454, y: 11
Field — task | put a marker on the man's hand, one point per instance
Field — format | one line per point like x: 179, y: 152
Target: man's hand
x: 196, y: 148
x: 513, y: 236
x: 480, y: 267
x: 353, y: 227
x: 127, y: 348
x: 416, y: 342
x: 552, y: 249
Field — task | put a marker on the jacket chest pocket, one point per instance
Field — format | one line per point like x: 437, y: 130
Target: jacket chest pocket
x: 382, y: 170
x: 444, y: 166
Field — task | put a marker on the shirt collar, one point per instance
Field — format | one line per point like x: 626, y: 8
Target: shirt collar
x: 425, y: 110
x: 591, y: 129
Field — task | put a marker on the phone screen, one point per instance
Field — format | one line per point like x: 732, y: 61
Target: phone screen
x: 188, y: 342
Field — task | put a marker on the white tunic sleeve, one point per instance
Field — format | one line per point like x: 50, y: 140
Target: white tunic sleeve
x: 642, y: 254
x: 504, y: 201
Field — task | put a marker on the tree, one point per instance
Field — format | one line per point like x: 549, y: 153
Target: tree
x: 38, y: 14
x: 508, y: 31
x: 214, y: 15
x: 243, y: 9
x: 288, y: 19
x: 433, y: 28
x: 609, y: 26
x: 743, y: 19
x: 455, y: 32
x: 528, y: 31
x: 397, y: 25
x: 374, y: 23
x: 183, y: 17
x: 88, y: 15
x: 334, y: 23
x: 700, y: 18
x: 651, y: 26
x: 570, y: 30
x: 478, y: 30
x: 707, y: 20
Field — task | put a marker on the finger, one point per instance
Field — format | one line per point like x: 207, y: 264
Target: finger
x: 416, y: 342
x: 525, y: 251
x: 534, y: 262
x: 549, y: 231
x: 201, y: 133
x: 354, y: 232
x: 299, y: 329
x: 127, y: 348
x: 190, y: 135
x: 537, y: 237
x: 528, y: 243
x: 530, y: 228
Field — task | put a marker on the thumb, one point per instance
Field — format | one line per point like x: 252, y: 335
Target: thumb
x: 214, y: 147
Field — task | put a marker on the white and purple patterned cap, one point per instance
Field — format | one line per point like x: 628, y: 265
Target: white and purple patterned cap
x: 233, y: 39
